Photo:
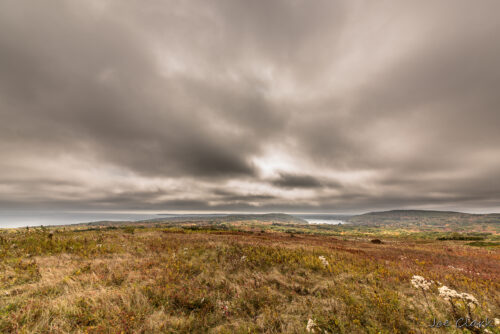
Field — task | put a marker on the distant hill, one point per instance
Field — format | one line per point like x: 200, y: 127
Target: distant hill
x: 423, y: 218
x: 269, y: 218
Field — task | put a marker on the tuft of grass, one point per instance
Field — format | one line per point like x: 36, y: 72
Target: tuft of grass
x: 484, y: 244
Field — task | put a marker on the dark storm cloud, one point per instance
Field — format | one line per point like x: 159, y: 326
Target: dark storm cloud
x: 441, y: 96
x: 249, y: 105
x: 85, y: 79
x: 297, y: 181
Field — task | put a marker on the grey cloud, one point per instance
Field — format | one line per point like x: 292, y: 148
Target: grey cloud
x: 297, y: 181
x: 93, y: 82
x: 188, y: 95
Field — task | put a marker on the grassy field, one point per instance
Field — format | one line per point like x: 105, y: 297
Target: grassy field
x: 243, y: 278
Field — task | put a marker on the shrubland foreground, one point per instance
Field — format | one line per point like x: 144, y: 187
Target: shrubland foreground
x: 185, y: 279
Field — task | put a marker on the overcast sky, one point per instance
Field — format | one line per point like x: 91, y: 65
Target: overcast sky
x: 238, y: 105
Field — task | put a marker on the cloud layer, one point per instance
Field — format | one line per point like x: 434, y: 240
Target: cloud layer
x: 332, y: 106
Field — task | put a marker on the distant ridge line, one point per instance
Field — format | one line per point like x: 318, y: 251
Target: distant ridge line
x: 414, y: 211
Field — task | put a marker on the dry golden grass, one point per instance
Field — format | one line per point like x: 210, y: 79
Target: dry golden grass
x: 151, y: 281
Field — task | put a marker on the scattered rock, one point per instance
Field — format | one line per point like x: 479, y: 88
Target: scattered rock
x: 376, y: 241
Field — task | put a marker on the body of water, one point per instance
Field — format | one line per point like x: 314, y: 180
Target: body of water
x: 333, y: 219
x: 325, y: 221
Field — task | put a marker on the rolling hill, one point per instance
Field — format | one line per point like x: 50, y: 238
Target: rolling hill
x: 445, y: 220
